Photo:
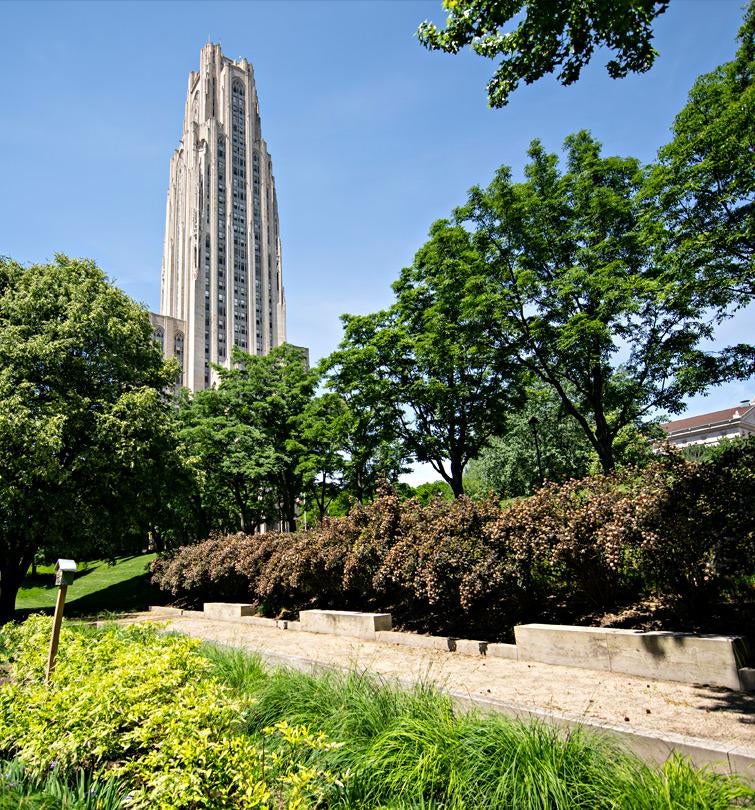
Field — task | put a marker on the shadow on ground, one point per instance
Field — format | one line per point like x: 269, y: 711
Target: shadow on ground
x: 129, y: 595
x: 719, y: 699
x: 47, y: 581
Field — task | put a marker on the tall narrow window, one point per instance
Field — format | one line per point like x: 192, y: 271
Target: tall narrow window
x: 238, y: 179
x: 159, y: 337
x: 178, y: 350
x: 221, y: 266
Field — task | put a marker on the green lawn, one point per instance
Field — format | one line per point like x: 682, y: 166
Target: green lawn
x: 99, y: 587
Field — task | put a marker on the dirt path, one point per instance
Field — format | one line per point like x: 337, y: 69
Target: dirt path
x: 715, y: 714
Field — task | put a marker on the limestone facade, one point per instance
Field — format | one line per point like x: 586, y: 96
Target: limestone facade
x: 221, y: 282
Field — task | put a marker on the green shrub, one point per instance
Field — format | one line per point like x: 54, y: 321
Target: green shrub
x: 206, y: 567
x: 143, y: 709
x: 704, y: 542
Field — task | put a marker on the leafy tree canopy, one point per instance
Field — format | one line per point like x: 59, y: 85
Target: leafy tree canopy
x: 573, y: 290
x: 427, y: 492
x: 702, y: 194
x: 537, y: 37
x: 705, y: 178
x: 540, y: 442
x: 243, y: 438
x: 423, y: 362
x: 321, y: 435
x: 232, y: 460
x: 82, y: 416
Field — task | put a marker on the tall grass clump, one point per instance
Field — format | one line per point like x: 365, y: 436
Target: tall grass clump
x: 22, y: 790
x: 410, y: 748
x: 234, y: 668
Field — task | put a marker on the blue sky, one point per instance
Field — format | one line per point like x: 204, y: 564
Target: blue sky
x: 372, y: 136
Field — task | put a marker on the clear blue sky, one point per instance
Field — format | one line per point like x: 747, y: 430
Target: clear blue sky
x: 372, y: 136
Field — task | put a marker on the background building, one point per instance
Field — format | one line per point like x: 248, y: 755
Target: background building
x: 712, y: 428
x: 221, y: 282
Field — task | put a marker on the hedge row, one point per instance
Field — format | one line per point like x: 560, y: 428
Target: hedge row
x: 678, y: 529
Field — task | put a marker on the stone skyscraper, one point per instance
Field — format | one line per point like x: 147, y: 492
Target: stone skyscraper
x: 221, y: 279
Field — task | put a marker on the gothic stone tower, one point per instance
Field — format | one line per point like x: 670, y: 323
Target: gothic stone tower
x: 221, y: 279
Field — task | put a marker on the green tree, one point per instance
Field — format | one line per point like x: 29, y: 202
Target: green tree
x: 271, y: 393
x: 702, y: 193
x: 574, y: 289
x: 537, y: 37
x: 233, y: 460
x: 540, y: 442
x: 705, y: 178
x: 427, y: 492
x: 143, y: 432
x: 422, y: 363
x: 320, y: 437
x: 370, y: 448
x: 81, y: 414
x: 373, y: 452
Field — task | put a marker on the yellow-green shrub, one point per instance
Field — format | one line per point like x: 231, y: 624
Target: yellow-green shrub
x: 141, y: 707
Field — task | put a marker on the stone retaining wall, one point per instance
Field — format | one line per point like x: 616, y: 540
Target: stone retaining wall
x: 714, y: 660
x: 663, y: 656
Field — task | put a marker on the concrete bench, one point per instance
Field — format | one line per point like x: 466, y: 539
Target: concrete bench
x: 227, y: 611
x: 344, y: 622
x: 703, y: 659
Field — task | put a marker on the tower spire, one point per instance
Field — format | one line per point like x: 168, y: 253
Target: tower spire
x: 221, y: 280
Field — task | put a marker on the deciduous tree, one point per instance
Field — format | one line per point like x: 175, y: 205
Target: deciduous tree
x: 320, y: 437
x: 702, y: 194
x: 233, y: 460
x: 81, y: 414
x: 573, y: 287
x: 271, y: 392
x: 537, y: 37
x: 705, y: 178
x: 422, y: 362
x: 539, y: 442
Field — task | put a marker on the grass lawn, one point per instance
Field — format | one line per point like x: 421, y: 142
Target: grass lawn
x: 98, y: 587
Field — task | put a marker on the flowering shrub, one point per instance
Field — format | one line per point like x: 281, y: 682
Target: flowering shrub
x: 677, y: 528
x: 209, y: 567
x: 704, y: 539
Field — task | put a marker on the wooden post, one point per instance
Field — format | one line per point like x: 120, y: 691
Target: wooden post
x: 56, y: 622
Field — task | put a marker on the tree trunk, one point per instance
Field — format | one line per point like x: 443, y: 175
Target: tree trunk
x: 604, y: 448
x: 11, y: 576
x: 157, y: 539
x: 457, y: 478
x: 288, y: 512
x: 247, y: 526
x: 321, y: 500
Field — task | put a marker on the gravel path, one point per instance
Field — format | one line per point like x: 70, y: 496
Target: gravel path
x: 656, y: 706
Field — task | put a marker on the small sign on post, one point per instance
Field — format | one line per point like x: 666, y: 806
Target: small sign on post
x: 65, y: 571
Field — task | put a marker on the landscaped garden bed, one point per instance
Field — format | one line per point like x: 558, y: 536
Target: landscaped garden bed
x: 138, y: 719
x: 670, y: 546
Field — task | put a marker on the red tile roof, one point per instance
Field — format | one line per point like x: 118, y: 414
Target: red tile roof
x: 716, y: 417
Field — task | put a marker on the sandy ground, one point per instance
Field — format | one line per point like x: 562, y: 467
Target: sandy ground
x: 711, y: 713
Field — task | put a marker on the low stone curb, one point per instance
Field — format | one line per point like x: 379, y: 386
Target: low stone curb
x: 172, y: 611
